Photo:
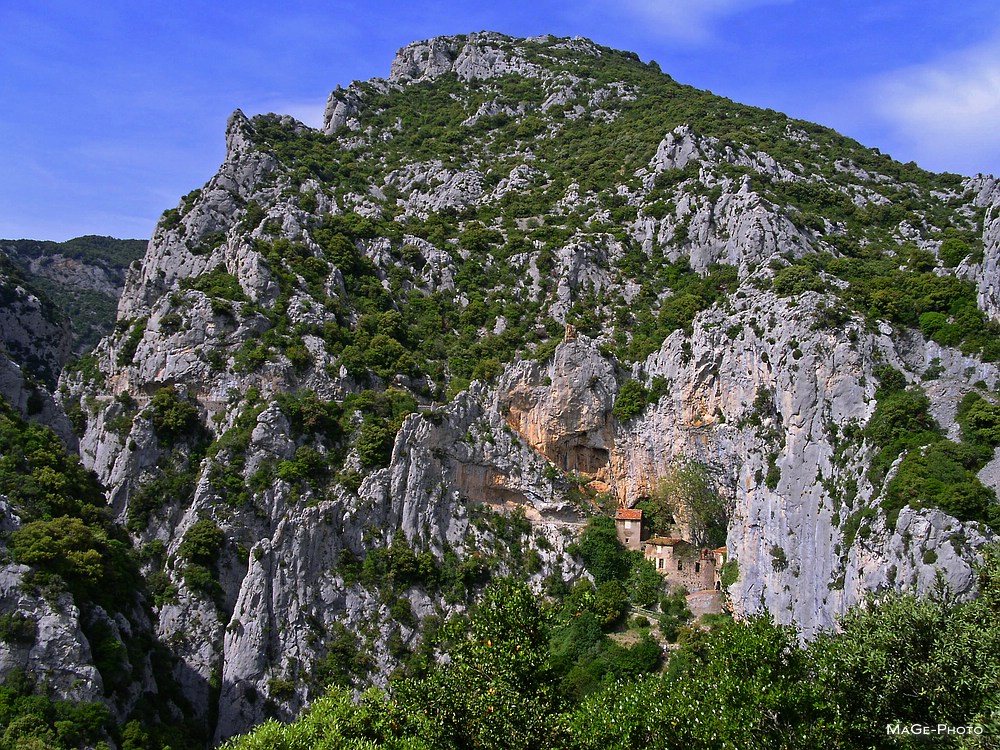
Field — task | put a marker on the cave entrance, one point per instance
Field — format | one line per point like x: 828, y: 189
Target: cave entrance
x: 585, y: 459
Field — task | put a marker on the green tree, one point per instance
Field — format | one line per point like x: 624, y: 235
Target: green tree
x: 39, y: 478
x: 953, y: 251
x: 980, y: 420
x: 913, y: 661
x: 173, y: 418
x: 901, y: 420
x: 202, y: 543
x: 685, y: 496
x: 610, y: 603
x: 630, y: 401
x: 643, y: 583
x: 602, y: 554
x: 64, y: 546
x: 797, y: 279
x: 675, y: 614
x: 375, y: 442
x: 743, y: 685
x: 499, y: 688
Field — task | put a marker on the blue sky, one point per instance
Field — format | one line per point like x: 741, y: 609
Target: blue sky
x: 110, y: 111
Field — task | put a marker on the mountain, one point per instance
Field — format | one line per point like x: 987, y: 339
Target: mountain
x: 519, y: 283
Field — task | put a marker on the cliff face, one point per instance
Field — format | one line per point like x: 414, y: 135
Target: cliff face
x: 35, y: 342
x: 402, y: 340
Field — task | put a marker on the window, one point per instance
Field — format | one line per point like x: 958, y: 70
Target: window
x: 697, y: 567
x: 659, y: 563
x: 680, y: 565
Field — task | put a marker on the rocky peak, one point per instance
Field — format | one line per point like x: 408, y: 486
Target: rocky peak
x: 479, y: 55
x: 239, y: 134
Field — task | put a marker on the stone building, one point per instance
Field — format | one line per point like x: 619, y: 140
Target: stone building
x: 628, y: 525
x: 681, y: 563
x: 719, y: 556
x: 674, y: 558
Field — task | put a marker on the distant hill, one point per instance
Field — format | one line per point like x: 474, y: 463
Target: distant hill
x: 77, y: 281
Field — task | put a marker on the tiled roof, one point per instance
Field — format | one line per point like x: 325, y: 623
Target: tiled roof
x: 723, y: 550
x: 628, y: 514
x: 666, y: 541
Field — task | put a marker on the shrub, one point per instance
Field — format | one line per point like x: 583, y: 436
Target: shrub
x: 173, y: 418
x: 375, y: 443
x: 217, y: 284
x: 953, y: 251
x: 250, y: 357
x: 64, y: 547
x: 131, y: 342
x: 202, y: 581
x: 202, y: 543
x: 17, y: 628
x: 980, y: 420
x: 38, y: 477
x: 675, y: 614
x: 779, y: 561
x: 630, y: 401
x: 797, y: 279
x: 944, y: 476
x: 901, y: 420
x: 729, y: 574
x: 602, y: 554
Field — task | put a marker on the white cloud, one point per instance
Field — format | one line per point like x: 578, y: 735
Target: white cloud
x: 686, y: 20
x: 947, y: 110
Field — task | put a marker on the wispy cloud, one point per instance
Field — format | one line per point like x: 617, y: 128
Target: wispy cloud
x: 947, y: 109
x: 685, y: 20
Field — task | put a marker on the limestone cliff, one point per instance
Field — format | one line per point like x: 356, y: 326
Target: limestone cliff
x: 34, y: 334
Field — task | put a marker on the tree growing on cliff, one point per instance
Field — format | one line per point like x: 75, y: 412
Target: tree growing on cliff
x: 686, y: 502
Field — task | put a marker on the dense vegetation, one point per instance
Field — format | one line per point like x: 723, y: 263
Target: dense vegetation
x: 402, y: 321
x: 73, y: 548
x: 411, y: 295
x: 685, y: 498
x: 898, y: 284
x: 736, y: 685
x: 412, y: 303
x: 935, y: 472
x: 399, y: 324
